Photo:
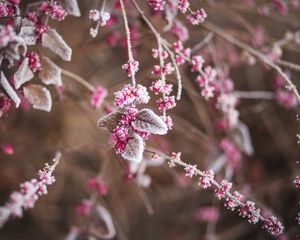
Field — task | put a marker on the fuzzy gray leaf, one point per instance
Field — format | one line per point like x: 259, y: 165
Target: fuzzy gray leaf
x: 56, y: 44
x: 50, y: 73
x: 72, y: 7
x: 28, y: 34
x: 9, y: 90
x: 134, y: 149
x: 148, y: 121
x: 38, y: 96
x: 109, y: 121
x: 23, y: 74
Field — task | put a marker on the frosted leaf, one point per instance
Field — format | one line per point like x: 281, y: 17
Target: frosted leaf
x: 56, y: 43
x: 38, y: 96
x: 134, y: 149
x: 50, y: 73
x: 28, y: 34
x: 71, y: 7
x: 23, y: 74
x: 101, y: 215
x: 148, y: 121
x: 9, y: 90
x: 4, y: 215
x: 109, y: 121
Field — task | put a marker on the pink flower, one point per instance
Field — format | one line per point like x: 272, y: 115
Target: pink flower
x: 98, y: 185
x: 54, y: 10
x: 183, y: 5
x: 207, y: 214
x: 84, y: 208
x: 205, y: 181
x: 7, y: 149
x: 273, y: 226
x: 190, y: 170
x: 166, y: 103
x: 197, y: 17
x: 7, y: 35
x: 180, y: 31
x: 131, y: 95
x: 197, y: 63
x: 127, y: 68
x: 250, y: 211
x: 286, y: 98
x: 157, y: 5
x: 34, y: 61
x: 297, y: 182
x: 98, y: 96
x: 159, y: 86
x: 223, y: 190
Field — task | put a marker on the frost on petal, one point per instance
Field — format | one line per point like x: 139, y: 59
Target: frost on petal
x: 148, y: 121
x: 9, y: 90
x: 102, y: 215
x: 56, y: 43
x: 72, y: 7
x: 28, y: 34
x: 23, y: 74
x: 109, y: 121
x: 38, y: 96
x: 134, y: 149
x: 50, y: 73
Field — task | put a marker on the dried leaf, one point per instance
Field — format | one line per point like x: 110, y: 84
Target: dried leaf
x: 109, y: 121
x: 23, y: 74
x: 9, y: 90
x: 55, y: 43
x: 148, y: 121
x: 134, y: 149
x: 38, y: 96
x: 50, y: 73
x: 71, y: 7
x: 28, y: 34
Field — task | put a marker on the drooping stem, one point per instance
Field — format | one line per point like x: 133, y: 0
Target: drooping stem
x: 129, y: 46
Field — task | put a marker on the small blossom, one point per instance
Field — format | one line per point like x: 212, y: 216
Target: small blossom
x: 127, y: 68
x: 183, y: 5
x: 168, y: 121
x: 297, y: 182
x: 197, y: 63
x: 98, y: 185
x: 286, y: 98
x: 157, y: 5
x: 207, y: 214
x: 131, y: 95
x: 7, y: 149
x: 155, y: 54
x: 180, y: 31
x: 166, y: 103
x: 205, y: 181
x: 98, y: 96
x: 223, y: 190
x: 250, y: 211
x: 167, y: 69
x: 54, y: 10
x: 7, y: 35
x: 197, y: 17
x: 84, y: 208
x: 159, y: 86
x: 191, y: 170
x: 273, y: 226
x: 34, y: 61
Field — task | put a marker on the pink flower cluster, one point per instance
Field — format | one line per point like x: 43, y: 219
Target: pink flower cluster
x: 158, y: 86
x: 29, y: 193
x: 131, y: 95
x: 166, y: 103
x: 34, y: 61
x: 6, y: 10
x: 231, y: 151
x: 206, y: 79
x: 181, y: 53
x: 101, y: 17
x: 127, y: 68
x: 183, y: 5
x: 7, y: 35
x: 285, y: 98
x: 98, y: 96
x: 98, y: 185
x: 54, y: 10
x: 232, y: 200
x: 157, y: 5
x: 195, y: 18
x: 297, y: 182
x: 207, y: 214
